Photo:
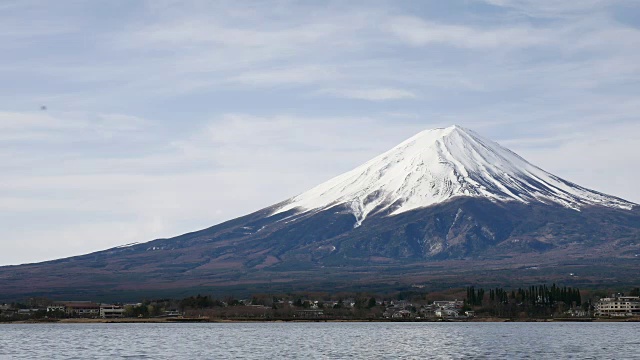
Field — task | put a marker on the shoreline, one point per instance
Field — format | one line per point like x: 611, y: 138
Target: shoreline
x: 231, y: 321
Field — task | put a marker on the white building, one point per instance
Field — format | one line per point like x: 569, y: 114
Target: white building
x: 446, y: 304
x: 446, y: 313
x: 111, y: 311
x: 56, y: 307
x: 619, y: 306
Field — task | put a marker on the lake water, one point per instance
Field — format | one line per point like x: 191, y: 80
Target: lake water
x: 322, y: 341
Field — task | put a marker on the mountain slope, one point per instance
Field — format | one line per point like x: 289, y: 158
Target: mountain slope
x: 436, y: 165
x: 444, y: 208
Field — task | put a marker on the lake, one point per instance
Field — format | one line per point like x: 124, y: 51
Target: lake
x: 321, y: 341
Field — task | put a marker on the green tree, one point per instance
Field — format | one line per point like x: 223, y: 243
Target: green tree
x: 372, y: 303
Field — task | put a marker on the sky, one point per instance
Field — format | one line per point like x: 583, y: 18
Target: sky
x: 126, y: 121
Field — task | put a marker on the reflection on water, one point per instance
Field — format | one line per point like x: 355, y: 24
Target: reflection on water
x: 322, y: 340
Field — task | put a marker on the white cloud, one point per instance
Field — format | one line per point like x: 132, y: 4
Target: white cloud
x: 553, y: 8
x: 375, y: 94
x: 418, y: 32
x: 603, y: 158
x: 14, y: 121
x: 286, y: 76
x: 212, y: 31
x: 61, y: 126
x: 311, y: 144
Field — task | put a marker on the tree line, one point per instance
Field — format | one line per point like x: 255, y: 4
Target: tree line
x: 540, y: 300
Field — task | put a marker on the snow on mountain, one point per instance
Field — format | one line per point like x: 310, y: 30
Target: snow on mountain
x: 436, y: 165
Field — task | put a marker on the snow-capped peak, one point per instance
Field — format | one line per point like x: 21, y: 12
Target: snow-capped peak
x: 438, y: 164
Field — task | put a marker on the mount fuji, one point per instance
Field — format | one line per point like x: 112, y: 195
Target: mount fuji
x: 437, y: 165
x: 446, y: 207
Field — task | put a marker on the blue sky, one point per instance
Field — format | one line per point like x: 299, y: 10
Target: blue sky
x: 169, y: 116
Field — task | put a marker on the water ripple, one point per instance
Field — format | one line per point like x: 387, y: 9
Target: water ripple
x: 321, y: 341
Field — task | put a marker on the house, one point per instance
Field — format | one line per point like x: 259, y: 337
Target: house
x: 577, y: 313
x: 350, y: 303
x: 446, y: 304
x: 427, y: 310
x: 8, y: 313
x: 402, y: 314
x: 308, y: 314
x: 442, y: 313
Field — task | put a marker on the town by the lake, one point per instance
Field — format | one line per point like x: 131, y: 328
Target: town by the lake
x: 534, y: 303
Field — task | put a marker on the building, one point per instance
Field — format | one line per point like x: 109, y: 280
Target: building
x: 446, y: 304
x: 402, y: 314
x: 446, y: 313
x: 27, y: 311
x: 80, y: 308
x: 619, y: 306
x: 309, y: 314
x: 56, y: 307
x: 111, y: 311
x: 172, y: 313
x: 427, y: 310
x: 8, y: 313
